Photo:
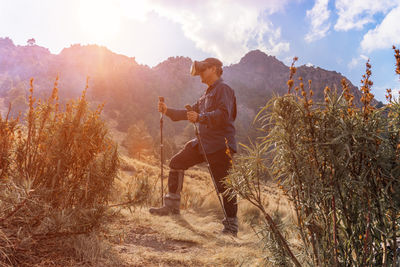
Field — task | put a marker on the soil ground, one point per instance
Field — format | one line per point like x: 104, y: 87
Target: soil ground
x: 189, y: 239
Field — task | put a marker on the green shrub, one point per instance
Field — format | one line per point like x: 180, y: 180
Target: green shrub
x: 339, y: 165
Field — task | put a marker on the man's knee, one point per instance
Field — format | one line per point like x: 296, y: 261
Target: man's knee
x: 174, y: 163
x: 185, y: 158
x: 177, y: 161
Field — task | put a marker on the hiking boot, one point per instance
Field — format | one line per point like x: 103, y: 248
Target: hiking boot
x: 172, y: 200
x: 171, y: 206
x: 163, y: 211
x: 231, y: 226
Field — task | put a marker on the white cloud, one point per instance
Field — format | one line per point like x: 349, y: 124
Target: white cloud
x: 381, y: 89
x: 288, y: 60
x: 319, y: 15
x: 135, y: 9
x: 356, y: 14
x: 357, y: 61
x: 225, y: 29
x: 385, y: 34
x: 353, y: 63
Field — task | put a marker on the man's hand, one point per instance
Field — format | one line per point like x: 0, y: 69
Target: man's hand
x: 192, y: 116
x: 162, y: 107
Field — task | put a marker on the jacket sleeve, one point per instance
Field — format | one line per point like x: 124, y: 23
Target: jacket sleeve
x: 224, y: 108
x: 195, y: 107
x: 180, y: 114
x: 176, y: 114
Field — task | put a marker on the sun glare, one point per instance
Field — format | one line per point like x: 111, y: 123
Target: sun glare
x: 99, y: 20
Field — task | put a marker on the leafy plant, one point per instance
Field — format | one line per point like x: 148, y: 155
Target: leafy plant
x: 338, y: 164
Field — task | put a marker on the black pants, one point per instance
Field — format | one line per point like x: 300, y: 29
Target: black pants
x: 219, y: 164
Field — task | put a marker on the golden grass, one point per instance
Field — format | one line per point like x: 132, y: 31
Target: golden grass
x: 185, y: 240
x: 192, y: 238
x: 57, y: 170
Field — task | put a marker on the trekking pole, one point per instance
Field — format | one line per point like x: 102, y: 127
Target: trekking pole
x: 189, y: 108
x: 161, y: 99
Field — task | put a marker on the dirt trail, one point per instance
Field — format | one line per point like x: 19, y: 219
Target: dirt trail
x: 189, y: 239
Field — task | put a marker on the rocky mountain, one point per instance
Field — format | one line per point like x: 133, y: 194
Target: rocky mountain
x: 265, y: 75
x: 131, y: 90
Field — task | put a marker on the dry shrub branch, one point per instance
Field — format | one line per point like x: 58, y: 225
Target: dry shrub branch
x: 57, y: 169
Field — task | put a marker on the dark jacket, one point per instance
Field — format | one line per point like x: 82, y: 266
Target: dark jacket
x: 217, y: 113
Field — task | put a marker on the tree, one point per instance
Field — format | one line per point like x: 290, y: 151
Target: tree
x: 138, y: 139
x: 31, y: 42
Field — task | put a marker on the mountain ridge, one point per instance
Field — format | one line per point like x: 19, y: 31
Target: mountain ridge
x: 131, y: 90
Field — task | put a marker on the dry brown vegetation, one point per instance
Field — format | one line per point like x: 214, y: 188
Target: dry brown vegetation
x: 57, y: 168
x: 69, y: 198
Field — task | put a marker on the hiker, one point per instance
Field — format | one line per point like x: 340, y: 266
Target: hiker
x: 215, y: 113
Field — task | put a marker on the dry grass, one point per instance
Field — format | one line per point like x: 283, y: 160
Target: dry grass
x: 57, y: 167
x: 192, y: 238
x: 186, y: 240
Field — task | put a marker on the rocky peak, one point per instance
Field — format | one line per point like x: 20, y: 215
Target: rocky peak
x: 257, y: 58
x: 176, y: 62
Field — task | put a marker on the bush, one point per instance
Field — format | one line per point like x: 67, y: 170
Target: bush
x: 339, y: 165
x: 57, y: 172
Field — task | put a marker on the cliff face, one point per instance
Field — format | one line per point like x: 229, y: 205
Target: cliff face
x: 131, y: 90
x: 262, y: 75
x: 20, y: 63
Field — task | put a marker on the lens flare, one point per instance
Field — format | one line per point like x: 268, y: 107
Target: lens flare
x: 99, y: 20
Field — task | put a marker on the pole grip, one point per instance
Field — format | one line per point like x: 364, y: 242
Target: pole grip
x: 161, y: 99
x: 188, y: 107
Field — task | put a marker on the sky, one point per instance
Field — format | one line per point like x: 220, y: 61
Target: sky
x: 339, y: 35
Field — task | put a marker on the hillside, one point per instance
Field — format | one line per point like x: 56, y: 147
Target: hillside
x: 131, y: 90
